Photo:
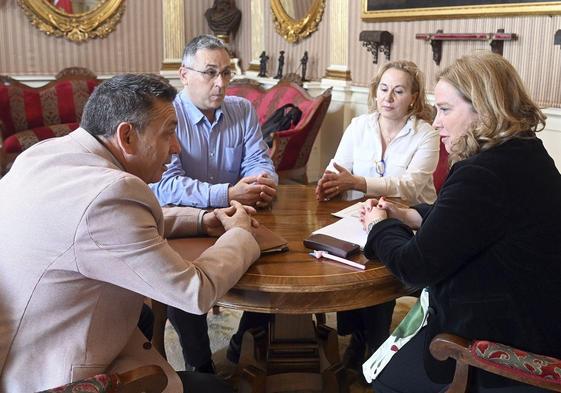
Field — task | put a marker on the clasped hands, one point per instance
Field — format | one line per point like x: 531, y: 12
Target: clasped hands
x: 218, y: 221
x: 375, y: 210
x: 333, y: 183
x: 257, y: 191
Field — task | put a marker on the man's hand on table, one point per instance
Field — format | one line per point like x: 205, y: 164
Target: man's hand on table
x: 256, y: 191
x: 215, y: 223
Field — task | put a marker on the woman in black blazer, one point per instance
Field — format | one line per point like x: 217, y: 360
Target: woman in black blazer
x: 489, y: 249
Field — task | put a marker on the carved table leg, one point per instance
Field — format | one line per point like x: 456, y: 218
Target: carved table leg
x: 333, y: 373
x: 252, y: 364
x: 295, y: 356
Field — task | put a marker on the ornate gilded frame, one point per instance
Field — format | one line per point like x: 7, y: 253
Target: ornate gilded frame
x: 410, y: 10
x: 294, y: 30
x: 96, y: 23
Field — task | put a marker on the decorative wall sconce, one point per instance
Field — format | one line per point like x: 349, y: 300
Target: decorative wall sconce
x: 496, y: 40
x: 377, y: 40
x: 557, y: 38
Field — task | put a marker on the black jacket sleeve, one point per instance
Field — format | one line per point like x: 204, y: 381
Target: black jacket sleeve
x: 423, y: 209
x: 466, y: 219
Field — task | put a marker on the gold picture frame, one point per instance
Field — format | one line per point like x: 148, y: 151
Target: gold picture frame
x: 96, y: 23
x: 415, y: 9
x: 292, y: 29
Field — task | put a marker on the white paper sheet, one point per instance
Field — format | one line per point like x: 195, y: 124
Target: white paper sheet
x: 348, y: 229
x: 351, y: 211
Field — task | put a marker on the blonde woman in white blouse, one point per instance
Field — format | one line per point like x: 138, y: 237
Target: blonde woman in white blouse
x: 392, y: 151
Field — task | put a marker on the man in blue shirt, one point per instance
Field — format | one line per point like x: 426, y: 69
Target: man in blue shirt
x: 223, y: 158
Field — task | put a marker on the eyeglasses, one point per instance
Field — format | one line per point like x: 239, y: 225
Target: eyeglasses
x: 380, y: 167
x: 211, y: 74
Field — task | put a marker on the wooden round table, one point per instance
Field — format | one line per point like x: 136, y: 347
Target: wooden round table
x: 294, y: 282
x: 297, y: 354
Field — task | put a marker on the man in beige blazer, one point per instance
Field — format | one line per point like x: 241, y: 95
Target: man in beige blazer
x: 83, y: 243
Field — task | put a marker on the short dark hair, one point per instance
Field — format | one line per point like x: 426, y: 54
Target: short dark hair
x: 124, y: 98
x: 198, y: 43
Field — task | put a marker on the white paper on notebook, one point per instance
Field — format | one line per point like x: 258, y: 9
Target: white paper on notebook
x: 348, y: 229
x: 351, y: 211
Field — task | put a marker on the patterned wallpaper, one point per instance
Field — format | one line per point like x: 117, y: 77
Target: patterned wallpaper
x: 535, y: 57
x: 195, y: 23
x: 135, y: 45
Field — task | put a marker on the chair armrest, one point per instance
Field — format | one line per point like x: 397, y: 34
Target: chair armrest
x: 526, y: 367
x: 147, y: 379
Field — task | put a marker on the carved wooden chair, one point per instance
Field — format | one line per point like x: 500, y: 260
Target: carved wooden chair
x: 536, y: 370
x: 146, y: 379
x: 291, y: 148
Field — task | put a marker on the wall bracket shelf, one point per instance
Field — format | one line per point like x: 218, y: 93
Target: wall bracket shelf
x: 377, y: 40
x: 496, y: 40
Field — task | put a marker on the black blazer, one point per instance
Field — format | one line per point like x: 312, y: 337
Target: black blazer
x: 489, y: 250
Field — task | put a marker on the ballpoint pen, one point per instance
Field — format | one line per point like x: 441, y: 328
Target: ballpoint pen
x: 324, y: 254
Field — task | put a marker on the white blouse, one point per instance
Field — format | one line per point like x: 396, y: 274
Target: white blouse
x: 410, y: 159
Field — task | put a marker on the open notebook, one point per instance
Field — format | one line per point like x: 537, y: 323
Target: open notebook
x: 191, y: 249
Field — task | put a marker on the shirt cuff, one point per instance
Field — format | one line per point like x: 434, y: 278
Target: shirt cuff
x: 376, y: 186
x: 200, y: 222
x: 219, y: 195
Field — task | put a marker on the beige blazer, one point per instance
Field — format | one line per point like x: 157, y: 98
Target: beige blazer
x: 82, y: 244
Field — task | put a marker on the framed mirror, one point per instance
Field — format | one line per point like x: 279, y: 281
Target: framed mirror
x: 75, y: 20
x: 297, y: 19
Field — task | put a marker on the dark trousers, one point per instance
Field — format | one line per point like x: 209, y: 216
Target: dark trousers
x: 193, y: 382
x: 250, y: 320
x: 405, y: 373
x: 202, y: 383
x: 370, y: 323
x: 192, y: 330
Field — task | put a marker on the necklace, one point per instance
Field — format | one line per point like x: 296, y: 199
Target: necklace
x: 387, y: 139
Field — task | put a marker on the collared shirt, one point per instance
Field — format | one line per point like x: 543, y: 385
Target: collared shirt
x: 410, y: 159
x: 213, y: 156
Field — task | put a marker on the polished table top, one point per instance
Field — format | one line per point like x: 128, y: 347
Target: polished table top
x: 294, y: 282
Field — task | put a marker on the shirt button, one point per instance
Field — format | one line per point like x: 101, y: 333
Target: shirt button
x: 147, y: 345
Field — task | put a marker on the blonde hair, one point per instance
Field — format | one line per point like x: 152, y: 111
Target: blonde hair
x: 497, y: 94
x: 421, y: 108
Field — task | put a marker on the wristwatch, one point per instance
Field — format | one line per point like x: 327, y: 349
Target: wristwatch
x: 376, y: 221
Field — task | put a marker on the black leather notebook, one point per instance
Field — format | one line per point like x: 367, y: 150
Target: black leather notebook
x: 340, y: 248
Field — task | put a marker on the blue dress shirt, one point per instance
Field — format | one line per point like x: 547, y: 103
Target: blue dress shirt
x: 213, y: 156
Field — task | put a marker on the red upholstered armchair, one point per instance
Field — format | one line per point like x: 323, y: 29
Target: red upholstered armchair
x: 291, y: 148
x: 29, y: 115
x: 537, y: 370
x: 146, y: 379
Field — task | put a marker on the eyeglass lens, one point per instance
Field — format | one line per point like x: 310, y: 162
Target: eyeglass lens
x: 212, y: 74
